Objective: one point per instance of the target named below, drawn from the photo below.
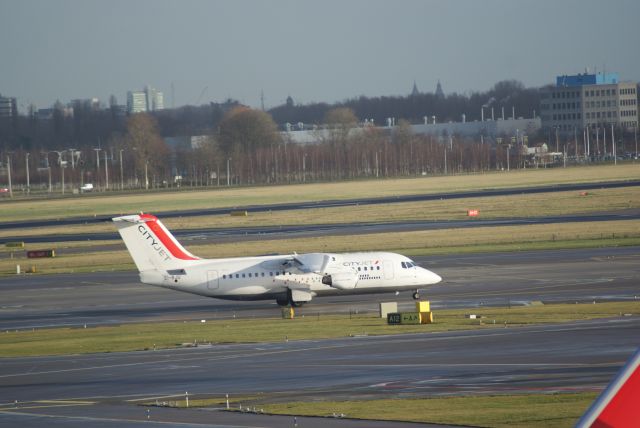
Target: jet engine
(341, 280)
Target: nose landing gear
(416, 295)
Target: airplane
(617, 406)
(291, 280)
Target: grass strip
(428, 242)
(307, 325)
(102, 204)
(502, 411)
(511, 206)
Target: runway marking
(534, 288)
(141, 421)
(45, 404)
(146, 398)
(580, 365)
(344, 343)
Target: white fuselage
(289, 279)
(266, 277)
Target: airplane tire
(282, 302)
(416, 296)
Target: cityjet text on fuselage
(361, 263)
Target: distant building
(8, 107)
(491, 129)
(589, 100)
(147, 100)
(136, 102)
(90, 103)
(48, 113)
(439, 91)
(415, 91)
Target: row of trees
(507, 94)
(243, 145)
(84, 124)
(248, 149)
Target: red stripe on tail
(622, 410)
(177, 252)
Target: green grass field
(147, 336)
(520, 411)
(102, 256)
(536, 205)
(98, 204)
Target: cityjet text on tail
(289, 279)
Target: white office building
(146, 100)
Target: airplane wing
(299, 284)
(312, 262)
(297, 281)
(618, 405)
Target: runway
(500, 279)
(337, 203)
(557, 358)
(102, 389)
(235, 234)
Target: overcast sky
(310, 49)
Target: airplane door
(388, 269)
(212, 279)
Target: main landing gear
(288, 301)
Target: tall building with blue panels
(587, 79)
(588, 100)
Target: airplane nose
(430, 277)
(435, 278)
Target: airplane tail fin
(150, 244)
(617, 406)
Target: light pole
(304, 167)
(613, 142)
(635, 136)
(9, 176)
(62, 165)
(121, 172)
(146, 174)
(106, 171)
(228, 180)
(445, 159)
(26, 161)
(46, 154)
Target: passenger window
(270, 273)
(249, 274)
(262, 273)
(365, 268)
(378, 268)
(224, 276)
(358, 268)
(237, 275)
(243, 275)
